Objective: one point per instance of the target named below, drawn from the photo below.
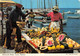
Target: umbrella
(5, 3)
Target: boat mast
(52, 3)
(31, 4)
(37, 3)
(26, 4)
(56, 3)
(20, 1)
(44, 5)
(48, 4)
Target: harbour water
(72, 28)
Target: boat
(47, 22)
(69, 12)
(77, 11)
(73, 17)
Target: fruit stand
(47, 40)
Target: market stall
(49, 41)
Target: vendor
(56, 18)
(11, 23)
(31, 17)
(27, 18)
(8, 10)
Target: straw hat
(19, 5)
(55, 8)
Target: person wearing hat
(11, 23)
(31, 17)
(56, 18)
(8, 11)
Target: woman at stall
(56, 18)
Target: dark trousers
(31, 23)
(9, 31)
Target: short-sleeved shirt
(32, 15)
(55, 17)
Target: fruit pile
(58, 47)
(21, 24)
(22, 47)
(72, 43)
(53, 39)
(37, 33)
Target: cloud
(79, 0)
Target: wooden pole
(2, 20)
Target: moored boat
(73, 17)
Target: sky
(61, 3)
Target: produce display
(22, 48)
(51, 39)
(21, 24)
